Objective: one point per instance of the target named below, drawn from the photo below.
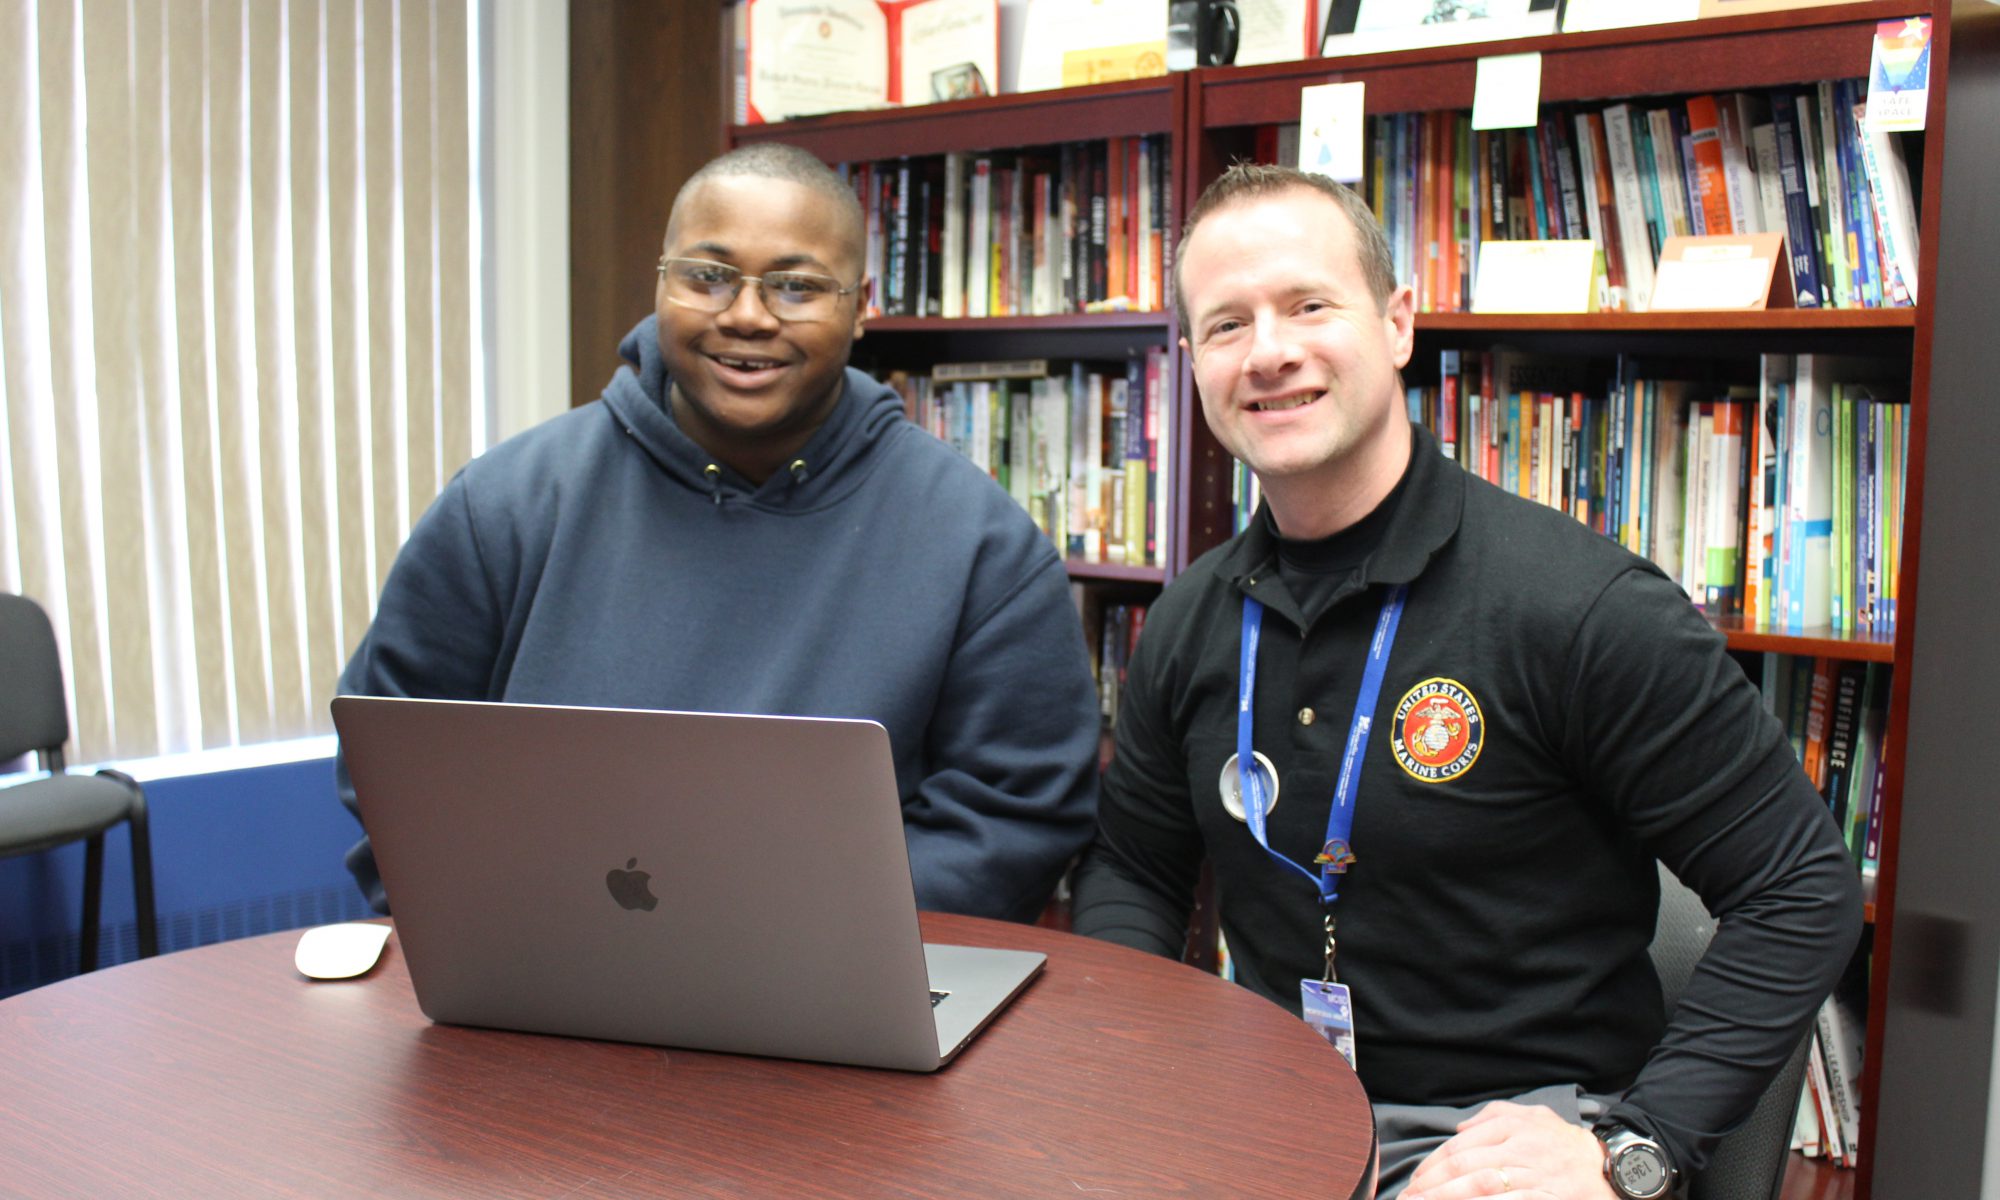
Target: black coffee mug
(1201, 33)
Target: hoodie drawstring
(713, 473)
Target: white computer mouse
(340, 951)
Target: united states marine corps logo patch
(1438, 731)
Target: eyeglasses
(711, 287)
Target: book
(1805, 1127)
(1116, 399)
(1094, 277)
(1721, 543)
(1864, 795)
(1738, 171)
(1769, 177)
(1132, 454)
(1667, 170)
(1819, 1083)
(1859, 209)
(1819, 205)
(1761, 569)
(1600, 207)
(1048, 458)
(1843, 725)
(1819, 704)
(1082, 538)
(979, 238)
(899, 294)
(1707, 171)
(1796, 188)
(1871, 844)
(1889, 187)
(1159, 456)
(1018, 368)
(1840, 1031)
(803, 57)
(1798, 693)
(1669, 464)
(1841, 586)
(1562, 156)
(1635, 242)
(1117, 199)
(1809, 500)
(1834, 188)
(1700, 496)
(951, 272)
(1448, 402)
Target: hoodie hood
(836, 459)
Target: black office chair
(62, 808)
(1749, 1164)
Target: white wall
(527, 237)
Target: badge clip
(1231, 784)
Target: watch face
(1639, 1171)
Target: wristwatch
(1636, 1166)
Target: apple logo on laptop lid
(629, 887)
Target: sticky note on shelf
(1507, 91)
(1330, 130)
(1899, 75)
(1537, 277)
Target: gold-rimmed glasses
(711, 287)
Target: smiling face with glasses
(711, 287)
(756, 315)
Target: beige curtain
(238, 303)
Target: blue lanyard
(1335, 858)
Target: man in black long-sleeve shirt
(1550, 715)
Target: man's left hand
(1514, 1150)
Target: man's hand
(1514, 1150)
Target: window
(239, 341)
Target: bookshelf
(1212, 116)
(1155, 106)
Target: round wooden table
(222, 1072)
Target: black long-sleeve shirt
(1494, 926)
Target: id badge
(1328, 1008)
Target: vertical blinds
(238, 322)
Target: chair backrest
(33, 711)
(1749, 1163)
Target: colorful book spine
(1135, 465)
(1868, 517)
(1710, 182)
(1801, 241)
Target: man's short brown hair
(1248, 181)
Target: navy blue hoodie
(603, 558)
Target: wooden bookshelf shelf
(986, 123)
(892, 342)
(1717, 54)
(1777, 320)
(1819, 643)
(1155, 322)
(1816, 1179)
(1079, 569)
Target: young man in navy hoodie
(742, 523)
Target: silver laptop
(714, 882)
